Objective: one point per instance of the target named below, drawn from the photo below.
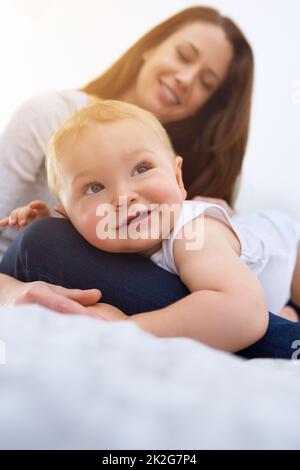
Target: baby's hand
(23, 216)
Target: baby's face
(115, 177)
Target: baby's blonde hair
(100, 111)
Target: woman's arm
(23, 144)
(226, 308)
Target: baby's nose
(125, 198)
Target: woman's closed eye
(92, 188)
(183, 55)
(142, 168)
(206, 84)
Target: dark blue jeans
(51, 250)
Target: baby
(117, 178)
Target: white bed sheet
(72, 382)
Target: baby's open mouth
(133, 219)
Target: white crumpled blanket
(72, 382)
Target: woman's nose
(186, 77)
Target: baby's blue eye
(142, 168)
(93, 188)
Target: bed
(72, 382)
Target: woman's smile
(167, 94)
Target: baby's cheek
(99, 231)
(161, 190)
(85, 221)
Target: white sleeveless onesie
(268, 246)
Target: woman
(195, 72)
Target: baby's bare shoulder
(210, 231)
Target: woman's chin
(155, 106)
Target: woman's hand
(220, 202)
(57, 298)
(22, 216)
(107, 312)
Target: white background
(58, 44)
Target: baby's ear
(59, 209)
(178, 173)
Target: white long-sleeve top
(23, 147)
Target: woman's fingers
(84, 297)
(43, 294)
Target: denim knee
(35, 248)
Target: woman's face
(178, 76)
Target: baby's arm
(22, 216)
(226, 308)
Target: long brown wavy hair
(213, 141)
